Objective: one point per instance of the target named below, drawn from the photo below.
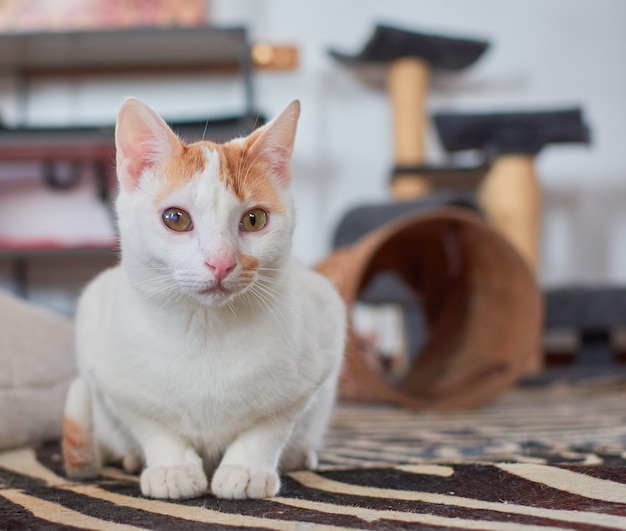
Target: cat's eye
(177, 219)
(253, 220)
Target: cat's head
(206, 221)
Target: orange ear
(274, 142)
(142, 139)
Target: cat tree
(478, 296)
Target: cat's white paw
(177, 482)
(240, 482)
(298, 459)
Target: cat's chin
(215, 296)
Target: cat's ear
(273, 143)
(142, 139)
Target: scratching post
(408, 81)
(511, 198)
(410, 58)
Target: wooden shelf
(128, 51)
(136, 49)
(97, 143)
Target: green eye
(253, 220)
(177, 219)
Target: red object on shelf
(51, 244)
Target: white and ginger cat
(208, 351)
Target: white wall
(544, 53)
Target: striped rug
(541, 458)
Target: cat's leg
(249, 466)
(81, 453)
(174, 469)
(308, 435)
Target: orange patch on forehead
(183, 167)
(245, 174)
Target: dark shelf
(135, 49)
(97, 143)
(128, 51)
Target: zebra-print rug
(541, 458)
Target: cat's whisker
(155, 285)
(273, 310)
(268, 275)
(258, 179)
(206, 126)
(271, 289)
(231, 307)
(165, 294)
(170, 292)
(152, 269)
(240, 163)
(243, 180)
(158, 286)
(266, 297)
(157, 280)
(256, 123)
(270, 280)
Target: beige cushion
(36, 367)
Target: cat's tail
(80, 453)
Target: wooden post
(511, 198)
(408, 81)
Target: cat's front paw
(240, 482)
(177, 482)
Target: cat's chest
(205, 375)
(203, 392)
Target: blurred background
(542, 54)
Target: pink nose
(221, 267)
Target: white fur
(186, 382)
